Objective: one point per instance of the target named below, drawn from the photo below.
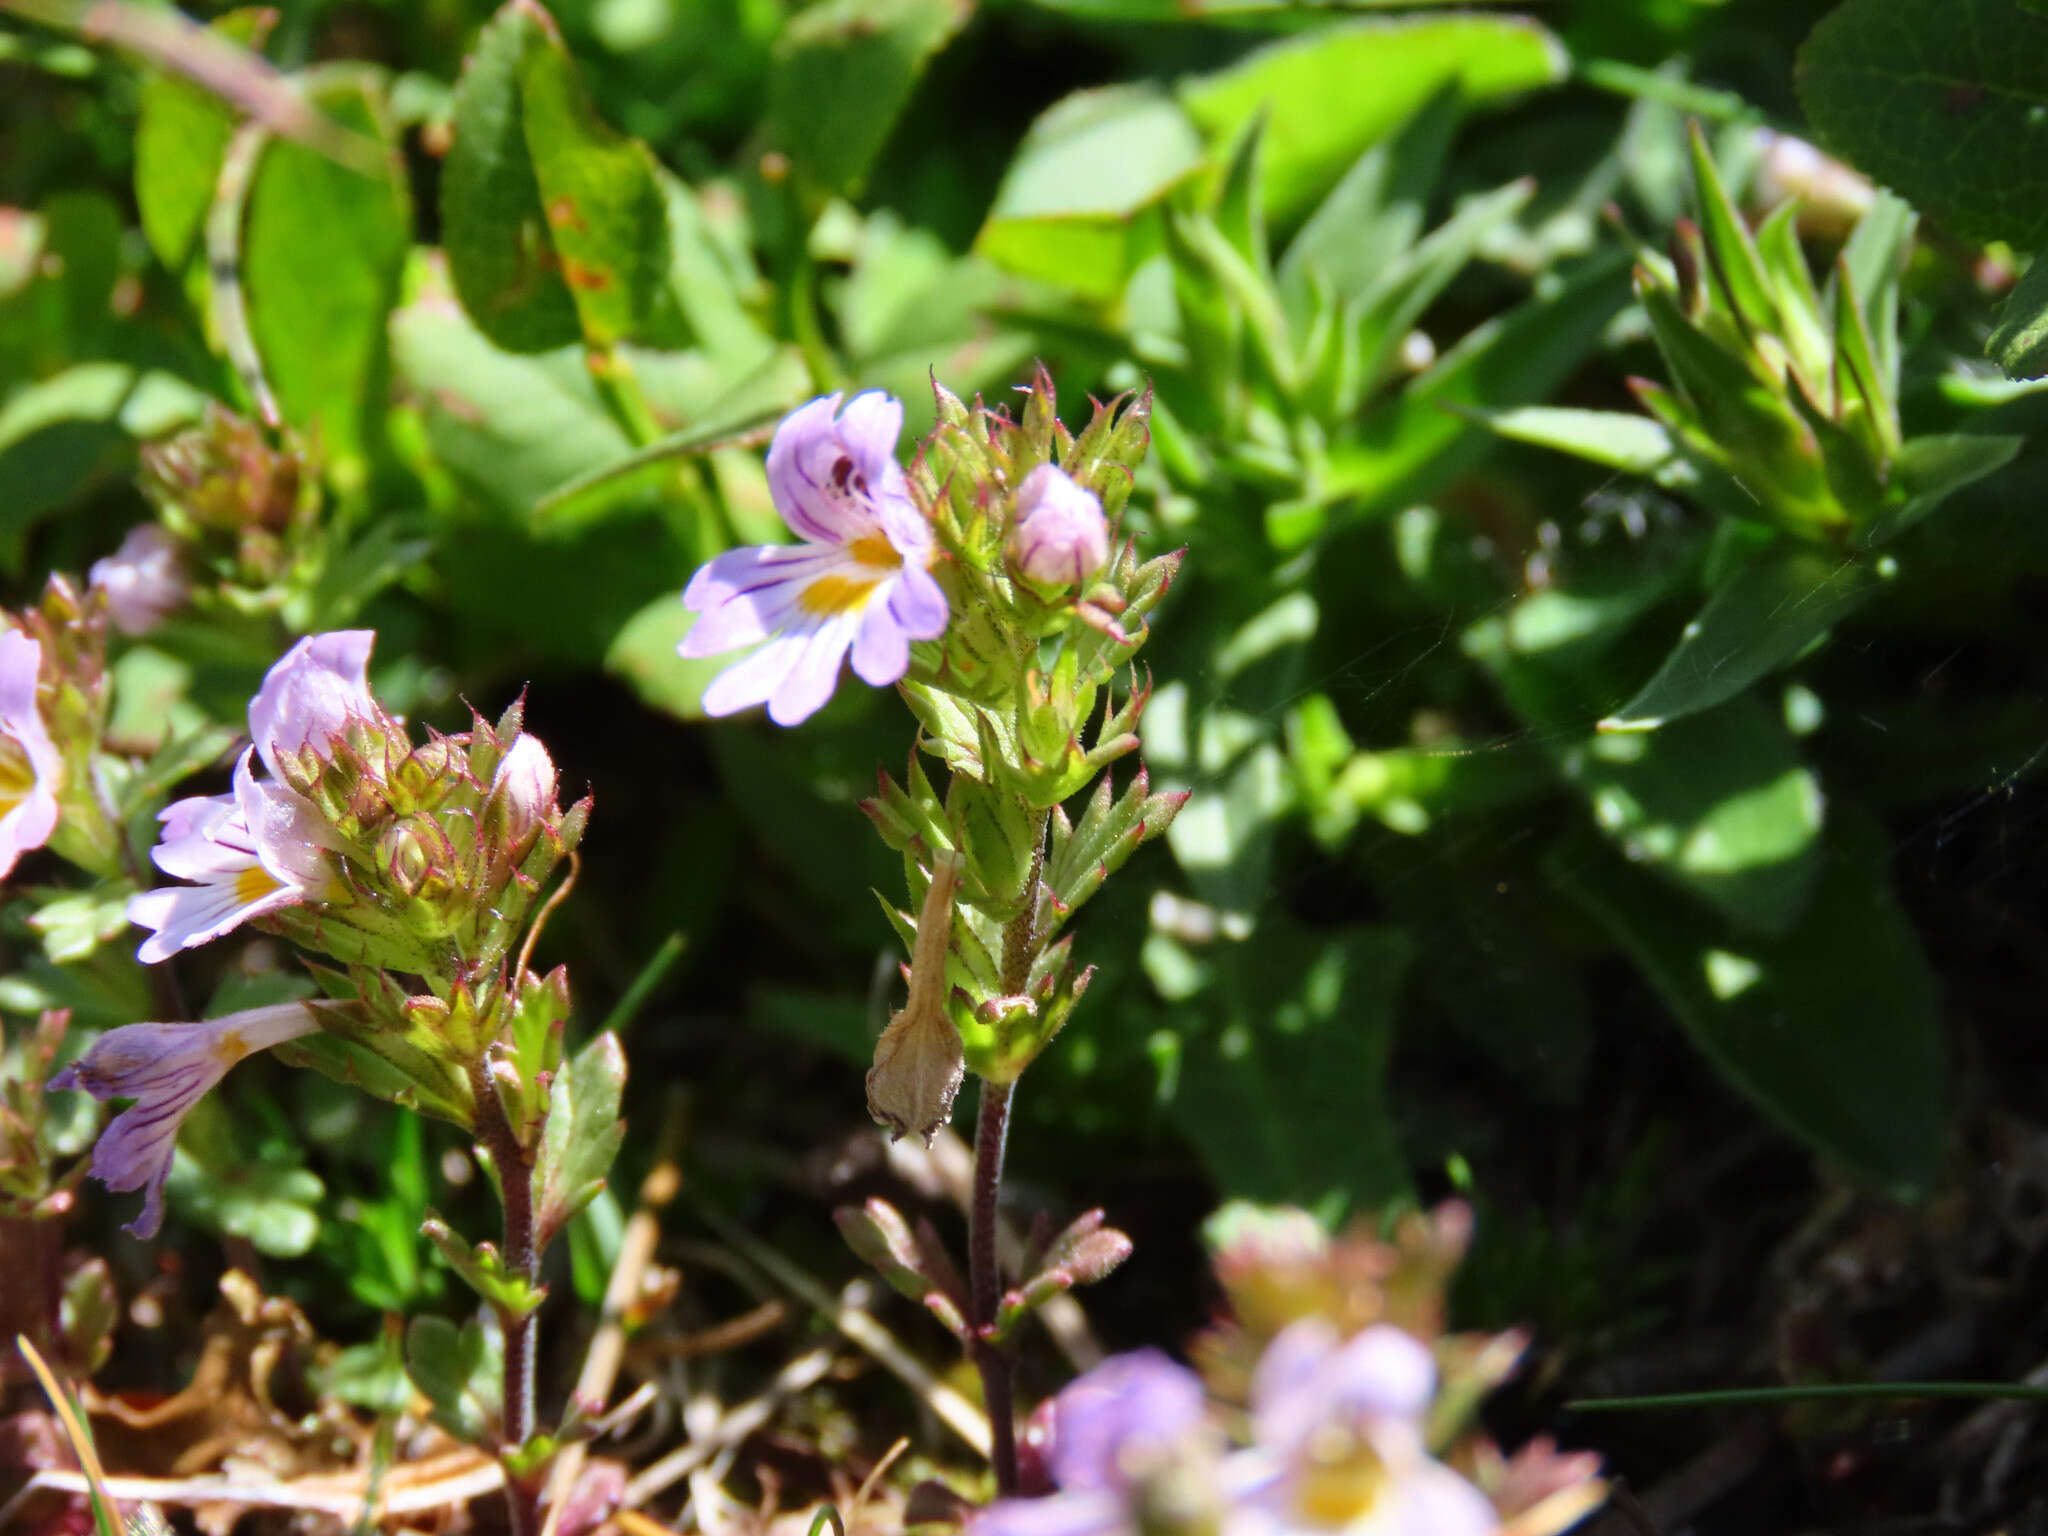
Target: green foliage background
(1425, 925)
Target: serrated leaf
(1831, 1028)
(843, 72)
(1942, 101)
(582, 1136)
(1763, 616)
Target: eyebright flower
(262, 846)
(1127, 1455)
(1058, 537)
(141, 581)
(311, 695)
(251, 851)
(1339, 1443)
(166, 1069)
(30, 767)
(860, 578)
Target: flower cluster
(986, 581)
(1342, 1430)
(406, 863)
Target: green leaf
(272, 1203)
(1718, 803)
(1763, 616)
(556, 228)
(1929, 470)
(1284, 1097)
(1430, 432)
(181, 136)
(582, 1136)
(321, 327)
(2020, 343)
(1831, 1028)
(1077, 206)
(63, 433)
(1942, 101)
(461, 1371)
(607, 213)
(1333, 93)
(843, 71)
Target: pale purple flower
(1114, 1430)
(142, 580)
(30, 767)
(1338, 1442)
(859, 580)
(311, 695)
(255, 850)
(1058, 537)
(166, 1069)
(263, 846)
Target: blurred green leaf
(2020, 344)
(1942, 101)
(63, 433)
(1078, 205)
(556, 227)
(1929, 470)
(844, 69)
(461, 1370)
(1764, 615)
(607, 214)
(271, 1201)
(1330, 95)
(181, 135)
(1284, 1096)
(320, 326)
(1831, 1028)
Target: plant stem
(522, 1334)
(985, 1280)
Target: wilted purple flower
(1118, 1435)
(860, 579)
(142, 581)
(309, 697)
(253, 851)
(1338, 1442)
(1059, 537)
(30, 766)
(166, 1069)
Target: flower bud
(522, 793)
(1058, 537)
(141, 581)
(415, 857)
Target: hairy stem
(522, 1333)
(986, 1281)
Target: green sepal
(1001, 835)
